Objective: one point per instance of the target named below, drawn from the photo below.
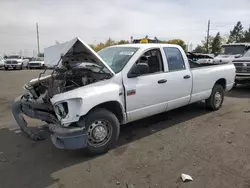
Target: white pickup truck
(15, 62)
(89, 95)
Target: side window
(153, 59)
(174, 58)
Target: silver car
(36, 63)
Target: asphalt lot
(212, 147)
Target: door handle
(162, 81)
(186, 77)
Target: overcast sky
(94, 21)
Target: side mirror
(238, 56)
(138, 69)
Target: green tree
(109, 42)
(237, 34)
(246, 37)
(40, 55)
(178, 42)
(99, 46)
(200, 49)
(123, 42)
(216, 44)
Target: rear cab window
(174, 59)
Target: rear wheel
(103, 130)
(214, 102)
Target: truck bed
(204, 77)
(194, 65)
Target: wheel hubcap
(217, 99)
(99, 133)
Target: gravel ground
(212, 147)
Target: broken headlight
(61, 109)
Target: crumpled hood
(76, 47)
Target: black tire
(214, 102)
(235, 85)
(102, 115)
(6, 68)
(14, 68)
(21, 68)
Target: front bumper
(12, 65)
(242, 78)
(62, 137)
(35, 66)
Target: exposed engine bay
(63, 80)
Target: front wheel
(6, 68)
(214, 102)
(103, 130)
(235, 85)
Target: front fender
(82, 100)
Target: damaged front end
(63, 138)
(74, 65)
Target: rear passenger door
(179, 79)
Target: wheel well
(114, 107)
(221, 82)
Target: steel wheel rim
(217, 99)
(99, 133)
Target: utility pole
(37, 35)
(208, 29)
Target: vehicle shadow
(240, 91)
(142, 128)
(26, 163)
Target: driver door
(144, 94)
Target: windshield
(117, 57)
(247, 54)
(13, 57)
(233, 50)
(38, 59)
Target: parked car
(231, 52)
(89, 95)
(1, 61)
(242, 69)
(15, 62)
(36, 63)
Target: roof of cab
(148, 45)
